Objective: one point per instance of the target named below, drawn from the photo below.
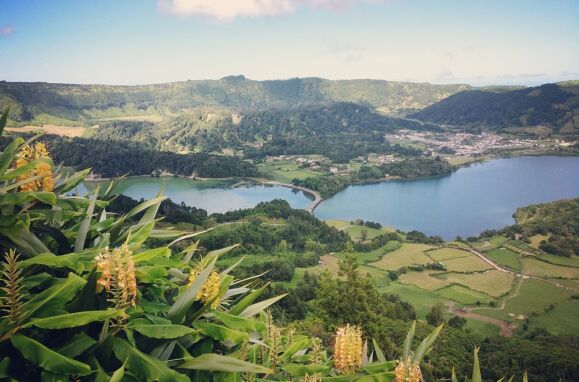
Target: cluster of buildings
(462, 144)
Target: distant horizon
(505, 85)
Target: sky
(479, 42)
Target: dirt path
(506, 330)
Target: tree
(364, 234)
(457, 322)
(435, 316)
(282, 246)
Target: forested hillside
(37, 102)
(555, 106)
(339, 131)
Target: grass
(560, 260)
(470, 263)
(463, 295)
(284, 171)
(540, 268)
(443, 254)
(375, 255)
(505, 257)
(422, 299)
(482, 329)
(423, 280)
(498, 240)
(408, 254)
(494, 283)
(560, 321)
(534, 296)
(355, 232)
(537, 239)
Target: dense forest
(550, 105)
(340, 131)
(45, 102)
(111, 158)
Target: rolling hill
(546, 108)
(55, 103)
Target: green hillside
(553, 107)
(46, 102)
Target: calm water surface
(465, 203)
(217, 198)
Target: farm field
(422, 299)
(560, 260)
(540, 268)
(536, 240)
(494, 283)
(533, 296)
(463, 295)
(560, 321)
(505, 257)
(407, 255)
(284, 171)
(424, 280)
(469, 263)
(444, 254)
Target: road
(317, 197)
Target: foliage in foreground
(86, 296)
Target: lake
(211, 195)
(472, 199)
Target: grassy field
(422, 299)
(423, 280)
(463, 295)
(284, 171)
(407, 255)
(505, 257)
(470, 263)
(540, 268)
(494, 283)
(484, 329)
(560, 321)
(498, 240)
(444, 254)
(560, 260)
(533, 296)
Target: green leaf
(298, 370)
(4, 367)
(216, 362)
(162, 331)
(118, 375)
(378, 351)
(19, 198)
(71, 182)
(380, 367)
(260, 306)
(382, 377)
(294, 347)
(151, 254)
(247, 300)
(185, 300)
(8, 154)
(70, 261)
(426, 344)
(47, 359)
(77, 345)
(239, 323)
(85, 224)
(73, 320)
(221, 333)
(53, 299)
(408, 341)
(136, 239)
(143, 366)
(476, 375)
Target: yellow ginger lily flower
(28, 154)
(117, 276)
(210, 290)
(348, 349)
(408, 371)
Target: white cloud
(227, 10)
(6, 30)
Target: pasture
(505, 257)
(444, 253)
(494, 283)
(407, 255)
(470, 263)
(540, 268)
(424, 280)
(463, 295)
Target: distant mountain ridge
(49, 102)
(550, 107)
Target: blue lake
(482, 196)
